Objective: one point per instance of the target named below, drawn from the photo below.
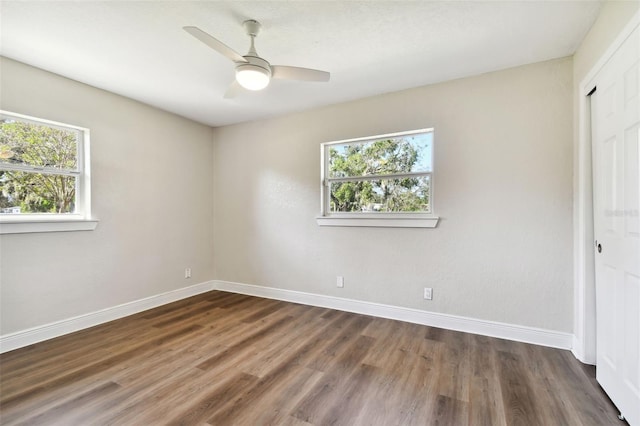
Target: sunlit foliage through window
(387, 175)
(38, 167)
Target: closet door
(616, 180)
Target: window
(43, 175)
(384, 180)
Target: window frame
(80, 219)
(374, 219)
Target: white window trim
(377, 220)
(81, 220)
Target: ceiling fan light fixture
(252, 77)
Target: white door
(616, 163)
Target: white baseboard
(519, 333)
(577, 348)
(30, 336)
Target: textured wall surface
(152, 192)
(613, 16)
(503, 190)
(502, 250)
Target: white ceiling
(138, 48)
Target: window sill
(394, 221)
(46, 225)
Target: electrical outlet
(340, 282)
(428, 293)
(187, 273)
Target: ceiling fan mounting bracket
(252, 27)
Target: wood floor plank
(587, 401)
(172, 318)
(208, 405)
(421, 386)
(219, 298)
(518, 394)
(299, 335)
(250, 339)
(348, 331)
(449, 411)
(60, 413)
(68, 350)
(351, 399)
(455, 367)
(250, 398)
(485, 399)
(241, 303)
(279, 399)
(271, 307)
(290, 366)
(220, 358)
(154, 400)
(325, 393)
(6, 400)
(391, 389)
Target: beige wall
(502, 250)
(152, 192)
(503, 189)
(613, 16)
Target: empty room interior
(319, 212)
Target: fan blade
(296, 73)
(215, 44)
(233, 90)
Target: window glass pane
(383, 195)
(403, 154)
(37, 145)
(22, 192)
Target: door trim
(584, 326)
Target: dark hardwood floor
(222, 359)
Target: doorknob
(598, 246)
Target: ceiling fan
(252, 71)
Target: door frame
(584, 310)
